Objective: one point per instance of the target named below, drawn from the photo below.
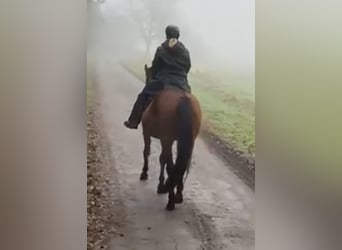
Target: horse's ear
(145, 67)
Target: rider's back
(172, 64)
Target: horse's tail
(185, 140)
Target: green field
(228, 107)
(228, 111)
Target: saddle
(179, 88)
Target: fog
(220, 34)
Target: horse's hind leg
(179, 193)
(172, 199)
(164, 159)
(161, 187)
(180, 187)
(147, 150)
(177, 181)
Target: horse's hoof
(170, 206)
(179, 198)
(162, 189)
(143, 176)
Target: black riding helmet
(172, 31)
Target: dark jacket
(171, 64)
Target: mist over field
(218, 33)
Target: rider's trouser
(143, 100)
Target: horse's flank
(160, 118)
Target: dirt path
(218, 210)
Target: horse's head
(147, 74)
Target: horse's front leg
(147, 151)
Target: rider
(170, 67)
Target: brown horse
(173, 115)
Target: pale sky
(227, 27)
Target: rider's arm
(188, 63)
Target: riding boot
(137, 111)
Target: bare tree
(151, 16)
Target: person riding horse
(170, 67)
